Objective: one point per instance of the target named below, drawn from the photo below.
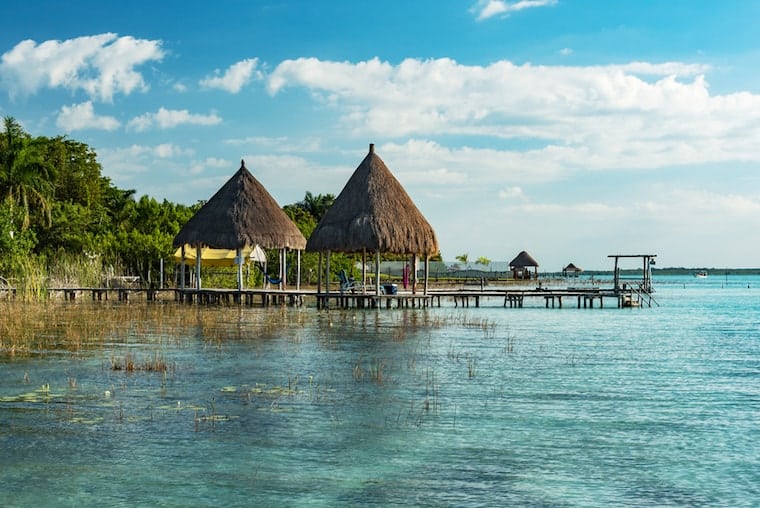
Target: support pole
(182, 267)
(198, 266)
(364, 271)
(414, 274)
(239, 261)
(327, 274)
(283, 268)
(298, 271)
(319, 274)
(427, 274)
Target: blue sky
(566, 128)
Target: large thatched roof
(373, 212)
(522, 260)
(241, 213)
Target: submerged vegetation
(149, 343)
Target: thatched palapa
(521, 265)
(241, 213)
(373, 213)
(571, 270)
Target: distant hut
(242, 214)
(521, 266)
(571, 271)
(373, 213)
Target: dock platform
(515, 298)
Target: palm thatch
(523, 260)
(241, 213)
(373, 212)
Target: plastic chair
(347, 283)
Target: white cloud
(686, 205)
(140, 157)
(278, 144)
(82, 116)
(198, 167)
(100, 65)
(647, 115)
(168, 151)
(485, 9)
(511, 193)
(126, 166)
(566, 51)
(169, 118)
(586, 231)
(234, 78)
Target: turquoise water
(440, 407)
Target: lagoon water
(438, 407)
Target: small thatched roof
(572, 268)
(241, 213)
(373, 212)
(523, 260)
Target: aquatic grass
(471, 366)
(375, 372)
(150, 363)
(509, 346)
(32, 280)
(34, 328)
(432, 389)
(70, 270)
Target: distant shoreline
(678, 271)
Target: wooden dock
(515, 298)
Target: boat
(701, 274)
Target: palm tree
(25, 175)
(316, 205)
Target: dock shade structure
(521, 265)
(373, 213)
(571, 270)
(220, 257)
(240, 216)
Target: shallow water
(437, 407)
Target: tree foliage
(26, 175)
(55, 201)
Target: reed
(32, 280)
(509, 346)
(432, 388)
(358, 370)
(374, 373)
(39, 327)
(150, 363)
(471, 366)
(67, 270)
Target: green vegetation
(62, 223)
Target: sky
(572, 129)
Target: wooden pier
(374, 301)
(626, 295)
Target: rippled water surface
(437, 407)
